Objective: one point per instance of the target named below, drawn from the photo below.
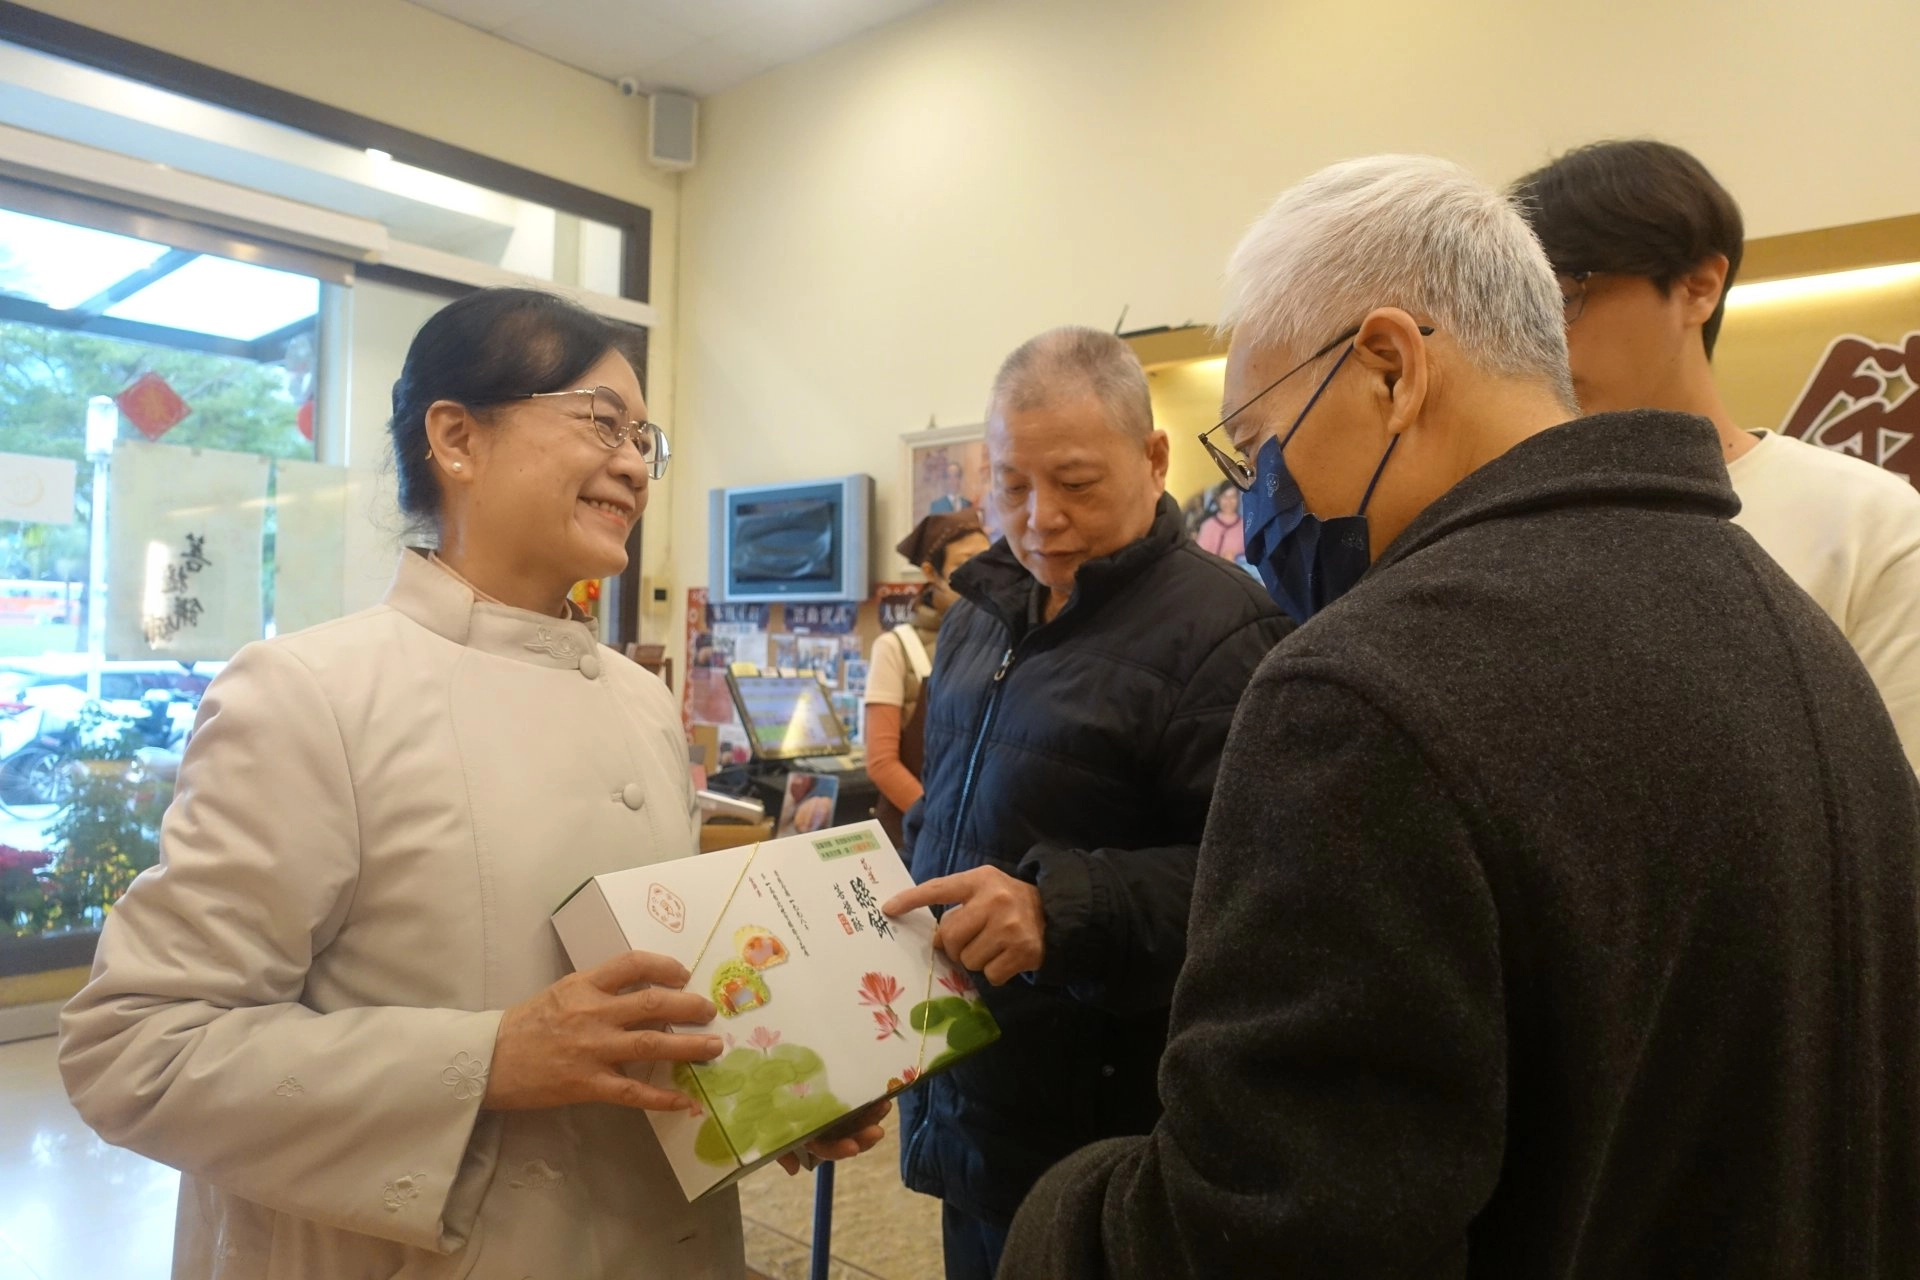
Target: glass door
(148, 386)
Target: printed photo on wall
(820, 654)
(808, 803)
(1212, 517)
(847, 707)
(853, 676)
(712, 652)
(1219, 529)
(947, 472)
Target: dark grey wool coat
(1555, 917)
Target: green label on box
(844, 845)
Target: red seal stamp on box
(664, 905)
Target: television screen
(792, 540)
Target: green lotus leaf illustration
(931, 1015)
(710, 1144)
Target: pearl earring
(456, 466)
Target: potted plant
(54, 904)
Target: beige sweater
(1849, 533)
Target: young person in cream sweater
(1646, 244)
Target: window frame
(62, 38)
(45, 33)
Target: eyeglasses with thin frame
(1237, 470)
(608, 413)
(1573, 292)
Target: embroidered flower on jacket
(535, 1175)
(288, 1087)
(467, 1077)
(562, 647)
(402, 1191)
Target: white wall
(870, 231)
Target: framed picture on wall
(946, 470)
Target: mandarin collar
(1636, 457)
(447, 607)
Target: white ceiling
(693, 46)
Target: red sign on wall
(1864, 399)
(152, 406)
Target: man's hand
(853, 1136)
(995, 925)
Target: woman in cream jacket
(337, 1005)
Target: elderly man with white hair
(1556, 913)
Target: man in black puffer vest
(1556, 915)
(1080, 699)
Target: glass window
(109, 344)
(418, 207)
(62, 265)
(222, 297)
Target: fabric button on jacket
(590, 668)
(634, 795)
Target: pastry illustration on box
(825, 1003)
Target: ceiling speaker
(672, 128)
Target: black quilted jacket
(1079, 754)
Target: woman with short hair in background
(902, 659)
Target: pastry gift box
(825, 1004)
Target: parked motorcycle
(35, 758)
(39, 740)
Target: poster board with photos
(833, 639)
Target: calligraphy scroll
(184, 570)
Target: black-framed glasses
(1235, 469)
(608, 413)
(1573, 292)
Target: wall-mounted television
(799, 542)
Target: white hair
(1068, 363)
(1405, 231)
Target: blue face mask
(1306, 562)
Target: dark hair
(489, 347)
(1638, 208)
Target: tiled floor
(881, 1231)
(74, 1208)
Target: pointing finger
(939, 891)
